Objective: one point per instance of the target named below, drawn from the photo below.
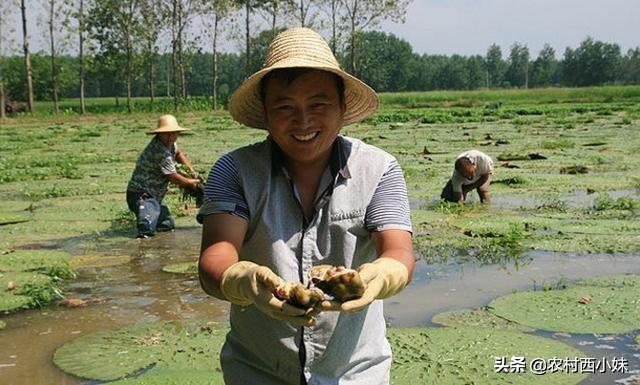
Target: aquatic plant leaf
(13, 218)
(97, 261)
(182, 268)
(112, 355)
(25, 260)
(159, 376)
(24, 289)
(611, 309)
(476, 318)
(20, 279)
(623, 280)
(447, 356)
(2, 324)
(9, 302)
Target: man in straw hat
(155, 168)
(305, 196)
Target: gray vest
(344, 348)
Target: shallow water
(139, 291)
(580, 199)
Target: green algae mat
(594, 305)
(187, 353)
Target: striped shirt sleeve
(223, 192)
(389, 207)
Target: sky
(469, 27)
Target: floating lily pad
(624, 280)
(13, 218)
(467, 356)
(182, 268)
(55, 262)
(27, 277)
(174, 377)
(603, 305)
(476, 318)
(18, 279)
(181, 353)
(97, 261)
(9, 301)
(170, 346)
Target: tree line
(120, 41)
(118, 51)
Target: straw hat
(300, 48)
(167, 123)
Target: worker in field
(155, 168)
(472, 170)
(303, 197)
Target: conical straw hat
(300, 48)
(167, 123)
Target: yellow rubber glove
(384, 278)
(245, 283)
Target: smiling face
(304, 116)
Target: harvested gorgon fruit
(297, 294)
(339, 282)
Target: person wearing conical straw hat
(305, 196)
(155, 168)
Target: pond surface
(138, 291)
(579, 199)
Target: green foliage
(554, 204)
(506, 246)
(123, 219)
(384, 61)
(592, 63)
(517, 73)
(41, 295)
(606, 202)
